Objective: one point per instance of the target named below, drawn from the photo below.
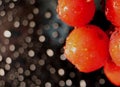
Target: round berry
(114, 46)
(112, 11)
(112, 72)
(76, 12)
(87, 48)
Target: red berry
(87, 48)
(113, 11)
(76, 12)
(112, 72)
(114, 46)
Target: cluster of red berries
(88, 47)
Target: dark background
(51, 69)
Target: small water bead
(55, 25)
(2, 72)
(8, 60)
(22, 84)
(21, 50)
(55, 34)
(69, 82)
(20, 77)
(11, 5)
(52, 70)
(32, 67)
(41, 62)
(38, 81)
(12, 47)
(7, 67)
(48, 84)
(62, 57)
(102, 81)
(7, 34)
(62, 83)
(50, 52)
(83, 83)
(61, 72)
(11, 76)
(39, 31)
(2, 13)
(72, 74)
(32, 24)
(28, 39)
(10, 18)
(25, 22)
(30, 16)
(27, 72)
(48, 15)
(20, 70)
(24, 45)
(35, 10)
(31, 53)
(16, 24)
(42, 38)
(16, 54)
(3, 49)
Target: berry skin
(76, 12)
(114, 46)
(87, 48)
(112, 11)
(112, 72)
